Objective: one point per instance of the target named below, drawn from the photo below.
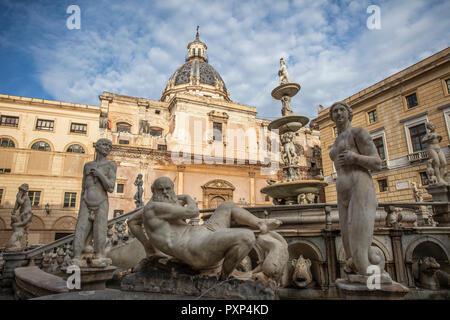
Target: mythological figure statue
(211, 246)
(282, 73)
(289, 154)
(20, 221)
(138, 195)
(99, 178)
(286, 109)
(354, 155)
(437, 157)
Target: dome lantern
(197, 49)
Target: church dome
(196, 76)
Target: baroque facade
(395, 112)
(211, 147)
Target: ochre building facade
(211, 147)
(394, 111)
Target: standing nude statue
(437, 157)
(354, 154)
(206, 247)
(282, 73)
(138, 195)
(20, 221)
(99, 178)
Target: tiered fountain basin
(289, 123)
(291, 189)
(286, 89)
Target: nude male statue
(99, 177)
(283, 73)
(203, 247)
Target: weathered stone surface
(93, 278)
(179, 279)
(31, 282)
(357, 291)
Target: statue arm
(109, 182)
(168, 211)
(369, 157)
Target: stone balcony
(417, 156)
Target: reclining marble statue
(99, 178)
(20, 221)
(212, 248)
(354, 155)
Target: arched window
(156, 132)
(123, 127)
(215, 202)
(7, 143)
(41, 145)
(75, 148)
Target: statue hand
(346, 158)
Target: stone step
(32, 282)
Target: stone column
(180, 179)
(251, 186)
(442, 213)
(397, 249)
(332, 264)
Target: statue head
(103, 146)
(431, 126)
(24, 187)
(282, 62)
(341, 104)
(163, 190)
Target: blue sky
(132, 47)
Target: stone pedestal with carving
(93, 278)
(358, 291)
(178, 279)
(441, 193)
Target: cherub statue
(289, 151)
(286, 109)
(282, 73)
(431, 173)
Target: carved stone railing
(418, 156)
(317, 216)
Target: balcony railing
(418, 156)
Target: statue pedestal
(177, 279)
(442, 213)
(358, 291)
(93, 278)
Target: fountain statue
(292, 189)
(99, 178)
(20, 221)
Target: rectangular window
(411, 100)
(124, 141)
(372, 116)
(69, 199)
(382, 184)
(156, 132)
(120, 187)
(417, 133)
(162, 147)
(217, 131)
(123, 127)
(78, 128)
(424, 178)
(1, 195)
(9, 121)
(157, 111)
(5, 170)
(42, 124)
(447, 82)
(380, 147)
(35, 197)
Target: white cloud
(133, 47)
